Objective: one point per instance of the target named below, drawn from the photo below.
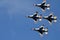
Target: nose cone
(29, 16)
(36, 11)
(33, 28)
(34, 5)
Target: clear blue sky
(15, 26)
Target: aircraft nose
(34, 5)
(36, 11)
(33, 28)
(28, 16)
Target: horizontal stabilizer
(48, 5)
(40, 19)
(46, 32)
(55, 17)
(55, 20)
(48, 8)
(46, 29)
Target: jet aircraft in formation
(35, 17)
(50, 18)
(41, 30)
(43, 5)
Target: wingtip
(51, 14)
(44, 1)
(50, 22)
(41, 34)
(43, 10)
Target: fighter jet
(41, 30)
(43, 6)
(35, 17)
(50, 18)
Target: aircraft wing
(41, 34)
(35, 14)
(43, 9)
(35, 19)
(50, 21)
(50, 15)
(44, 1)
(41, 27)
